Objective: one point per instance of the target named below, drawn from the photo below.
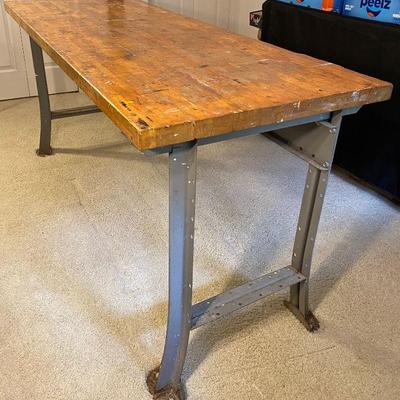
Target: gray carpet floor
(83, 271)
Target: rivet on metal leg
(170, 393)
(309, 321)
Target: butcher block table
(171, 84)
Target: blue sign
(374, 10)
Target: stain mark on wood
(125, 105)
(129, 54)
(143, 124)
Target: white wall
(240, 10)
(229, 14)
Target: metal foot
(308, 320)
(169, 393)
(44, 153)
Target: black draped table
(369, 143)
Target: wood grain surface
(164, 78)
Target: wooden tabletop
(164, 78)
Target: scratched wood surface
(164, 79)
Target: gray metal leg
(165, 382)
(320, 142)
(44, 101)
(310, 213)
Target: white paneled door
(17, 78)
(57, 81)
(13, 77)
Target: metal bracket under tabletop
(323, 119)
(246, 132)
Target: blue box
(324, 5)
(373, 10)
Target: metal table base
(313, 139)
